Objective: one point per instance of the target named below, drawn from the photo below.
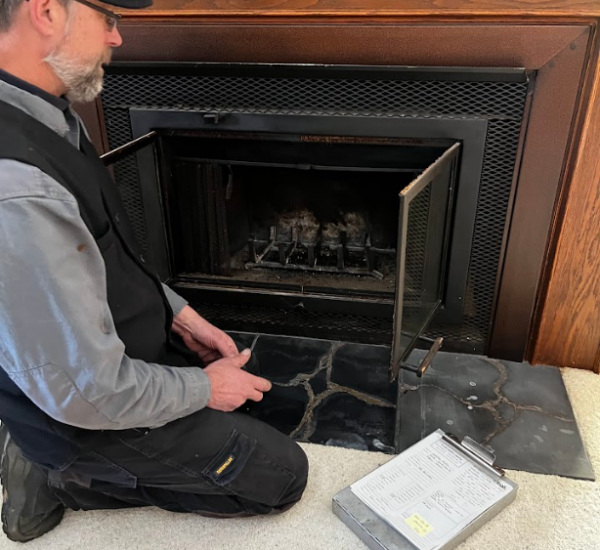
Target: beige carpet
(550, 513)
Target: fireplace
(242, 75)
(362, 204)
(332, 237)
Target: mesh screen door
(423, 237)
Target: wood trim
(366, 8)
(569, 327)
(475, 45)
(557, 92)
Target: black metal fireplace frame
(471, 133)
(312, 70)
(496, 95)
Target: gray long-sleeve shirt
(57, 337)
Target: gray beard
(83, 83)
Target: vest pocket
(106, 240)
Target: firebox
(318, 217)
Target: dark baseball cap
(129, 4)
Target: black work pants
(211, 463)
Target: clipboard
(432, 496)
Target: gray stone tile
(541, 387)
(522, 412)
(282, 358)
(283, 408)
(466, 376)
(439, 409)
(536, 442)
(343, 420)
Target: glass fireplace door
(423, 240)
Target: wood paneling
(443, 45)
(569, 330)
(363, 8)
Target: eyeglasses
(112, 19)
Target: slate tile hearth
(320, 393)
(337, 393)
(522, 412)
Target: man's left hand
(209, 342)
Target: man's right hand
(232, 386)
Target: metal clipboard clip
(482, 455)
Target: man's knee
(298, 466)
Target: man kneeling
(114, 391)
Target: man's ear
(48, 17)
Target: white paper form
(430, 492)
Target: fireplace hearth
(338, 394)
(524, 165)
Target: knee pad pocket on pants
(243, 468)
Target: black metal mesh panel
(126, 175)
(498, 165)
(320, 96)
(416, 241)
(299, 322)
(501, 103)
(118, 129)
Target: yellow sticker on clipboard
(419, 525)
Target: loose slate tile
(365, 369)
(504, 397)
(541, 387)
(343, 420)
(282, 358)
(436, 409)
(538, 443)
(465, 376)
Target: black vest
(140, 310)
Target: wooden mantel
(376, 8)
(566, 324)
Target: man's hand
(209, 342)
(232, 386)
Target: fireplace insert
(329, 236)
(327, 221)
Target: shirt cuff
(176, 302)
(200, 381)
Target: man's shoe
(29, 507)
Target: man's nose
(115, 39)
